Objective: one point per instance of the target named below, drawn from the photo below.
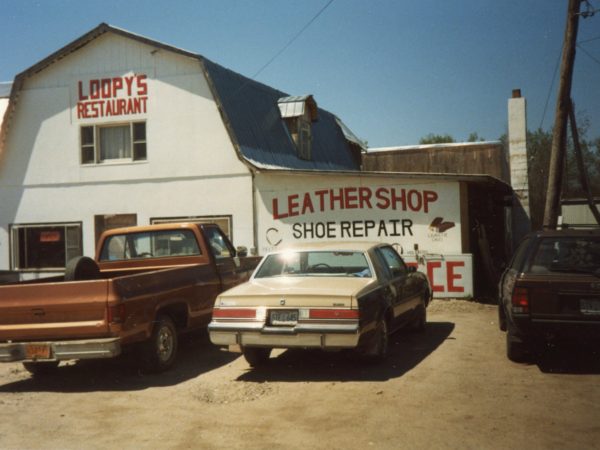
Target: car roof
(358, 246)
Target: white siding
(191, 167)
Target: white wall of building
(190, 157)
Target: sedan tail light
(234, 313)
(333, 314)
(520, 300)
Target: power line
(296, 36)
(550, 89)
(588, 53)
(589, 40)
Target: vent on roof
(298, 113)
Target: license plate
(589, 307)
(37, 351)
(284, 317)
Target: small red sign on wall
(50, 236)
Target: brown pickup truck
(146, 285)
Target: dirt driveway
(450, 388)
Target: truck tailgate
(65, 310)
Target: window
(314, 264)
(44, 246)
(224, 222)
(218, 243)
(100, 143)
(298, 113)
(106, 222)
(155, 244)
(392, 262)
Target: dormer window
(298, 114)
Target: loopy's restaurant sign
(422, 221)
(114, 96)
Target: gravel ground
(451, 387)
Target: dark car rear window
(567, 254)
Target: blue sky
(394, 71)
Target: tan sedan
(330, 296)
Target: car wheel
(160, 351)
(40, 368)
(256, 356)
(380, 345)
(517, 349)
(501, 317)
(420, 319)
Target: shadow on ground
(407, 350)
(196, 356)
(571, 358)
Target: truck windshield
(315, 263)
(568, 254)
(155, 244)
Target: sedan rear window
(315, 263)
(569, 254)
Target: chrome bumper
(325, 336)
(62, 350)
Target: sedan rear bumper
(60, 350)
(324, 336)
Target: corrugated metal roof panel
(255, 119)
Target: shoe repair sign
(427, 215)
(421, 220)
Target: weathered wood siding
(474, 159)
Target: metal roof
(253, 117)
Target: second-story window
(105, 143)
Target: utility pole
(559, 134)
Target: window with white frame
(115, 142)
(44, 246)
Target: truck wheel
(160, 351)
(40, 368)
(256, 356)
(81, 268)
(517, 349)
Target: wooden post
(559, 134)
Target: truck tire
(159, 353)
(40, 368)
(517, 349)
(256, 356)
(81, 268)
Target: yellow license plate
(37, 351)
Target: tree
(436, 139)
(539, 144)
(474, 137)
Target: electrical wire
(284, 48)
(550, 89)
(588, 54)
(293, 39)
